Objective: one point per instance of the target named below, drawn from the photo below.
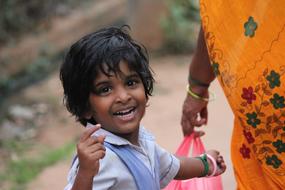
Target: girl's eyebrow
(107, 81)
(132, 75)
(103, 82)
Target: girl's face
(118, 102)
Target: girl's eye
(131, 83)
(103, 90)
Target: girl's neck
(133, 137)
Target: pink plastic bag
(203, 183)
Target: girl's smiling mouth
(126, 114)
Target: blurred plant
(23, 169)
(179, 26)
(39, 69)
(22, 16)
(19, 18)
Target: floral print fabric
(247, 51)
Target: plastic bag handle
(198, 147)
(184, 147)
(188, 141)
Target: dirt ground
(162, 119)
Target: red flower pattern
(248, 94)
(245, 151)
(248, 136)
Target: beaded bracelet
(204, 160)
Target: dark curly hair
(91, 54)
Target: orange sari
(246, 45)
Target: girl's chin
(124, 130)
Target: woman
(242, 43)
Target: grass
(20, 172)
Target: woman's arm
(200, 67)
(195, 111)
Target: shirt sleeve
(169, 166)
(106, 177)
(71, 175)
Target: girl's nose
(123, 95)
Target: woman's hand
(194, 113)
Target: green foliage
(179, 26)
(20, 17)
(14, 146)
(23, 16)
(39, 69)
(21, 171)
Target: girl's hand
(90, 150)
(221, 166)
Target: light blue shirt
(113, 173)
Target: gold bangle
(198, 97)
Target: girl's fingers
(94, 140)
(101, 139)
(214, 153)
(223, 167)
(96, 147)
(98, 154)
(221, 164)
(220, 159)
(93, 152)
(90, 141)
(88, 132)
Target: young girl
(107, 82)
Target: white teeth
(125, 112)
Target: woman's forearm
(200, 68)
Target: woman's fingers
(186, 127)
(199, 133)
(196, 120)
